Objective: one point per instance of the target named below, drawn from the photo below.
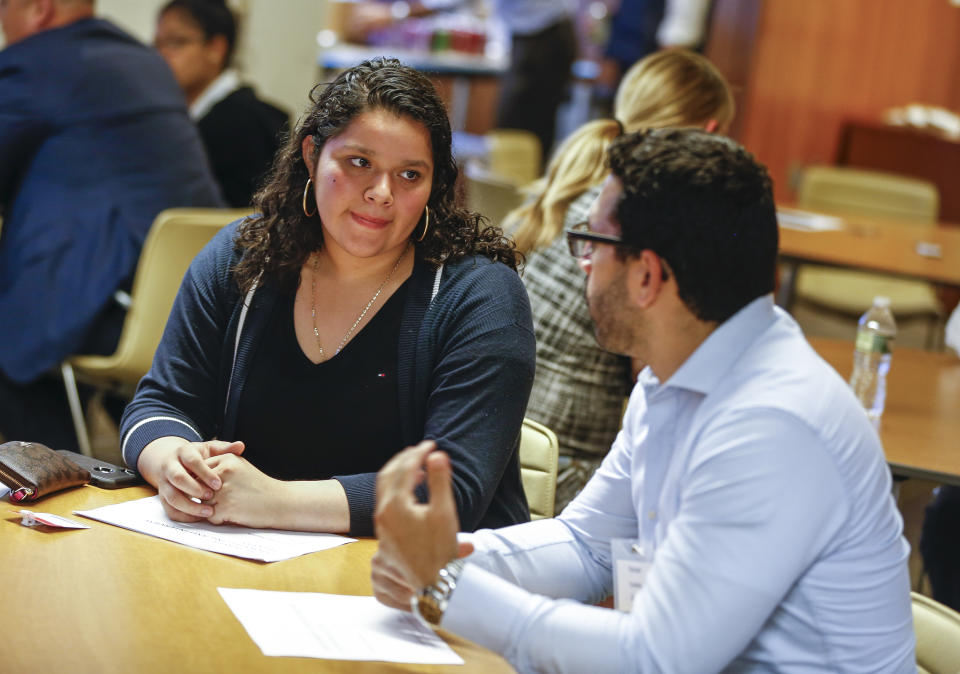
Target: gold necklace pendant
(313, 303)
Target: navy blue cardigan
(466, 363)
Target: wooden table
(106, 599)
(872, 244)
(920, 429)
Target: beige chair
(175, 238)
(493, 183)
(490, 195)
(938, 636)
(847, 191)
(539, 452)
(514, 155)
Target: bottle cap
(881, 301)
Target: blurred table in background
(913, 152)
(920, 429)
(924, 252)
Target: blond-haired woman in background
(579, 388)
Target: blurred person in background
(240, 132)
(94, 142)
(641, 27)
(579, 388)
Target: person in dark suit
(94, 142)
(241, 133)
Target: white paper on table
(807, 221)
(267, 545)
(335, 627)
(3, 489)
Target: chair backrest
(539, 452)
(514, 155)
(175, 238)
(848, 191)
(490, 195)
(938, 636)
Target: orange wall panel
(815, 63)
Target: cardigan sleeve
(478, 336)
(180, 394)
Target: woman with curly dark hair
(358, 312)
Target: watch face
(428, 609)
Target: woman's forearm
(313, 506)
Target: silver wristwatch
(431, 602)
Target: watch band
(431, 602)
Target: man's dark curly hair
(702, 203)
(279, 240)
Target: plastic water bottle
(871, 357)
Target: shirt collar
(708, 365)
(226, 83)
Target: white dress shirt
(684, 23)
(756, 480)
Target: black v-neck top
(302, 420)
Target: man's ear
(41, 15)
(644, 279)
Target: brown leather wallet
(32, 470)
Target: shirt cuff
(538, 634)
(486, 608)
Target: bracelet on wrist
(431, 602)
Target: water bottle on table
(871, 357)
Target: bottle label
(871, 342)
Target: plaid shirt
(578, 389)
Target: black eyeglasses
(581, 240)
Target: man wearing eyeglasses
(743, 517)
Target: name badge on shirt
(631, 564)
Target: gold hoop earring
(426, 223)
(306, 192)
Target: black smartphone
(102, 473)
